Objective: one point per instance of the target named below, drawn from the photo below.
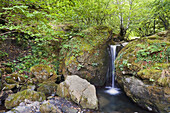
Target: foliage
(40, 23)
(151, 53)
(3, 54)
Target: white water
(111, 89)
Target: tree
(161, 11)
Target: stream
(118, 103)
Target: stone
(142, 70)
(14, 100)
(42, 72)
(47, 107)
(88, 59)
(47, 87)
(32, 107)
(78, 90)
(66, 109)
(4, 95)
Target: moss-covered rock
(13, 80)
(47, 87)
(14, 100)
(47, 107)
(42, 72)
(87, 56)
(142, 69)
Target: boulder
(47, 87)
(42, 72)
(79, 90)
(142, 70)
(87, 56)
(14, 100)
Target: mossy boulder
(86, 55)
(14, 100)
(47, 87)
(42, 72)
(13, 80)
(142, 70)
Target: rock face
(87, 56)
(14, 100)
(78, 90)
(142, 70)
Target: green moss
(14, 99)
(8, 86)
(164, 81)
(149, 74)
(146, 56)
(40, 67)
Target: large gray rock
(79, 90)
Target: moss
(14, 99)
(40, 67)
(150, 65)
(161, 65)
(158, 41)
(164, 81)
(149, 74)
(153, 37)
(8, 86)
(47, 87)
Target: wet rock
(78, 90)
(14, 100)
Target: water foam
(113, 91)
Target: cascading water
(111, 98)
(112, 90)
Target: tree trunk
(122, 33)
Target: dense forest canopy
(126, 17)
(37, 22)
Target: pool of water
(118, 103)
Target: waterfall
(113, 57)
(111, 89)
